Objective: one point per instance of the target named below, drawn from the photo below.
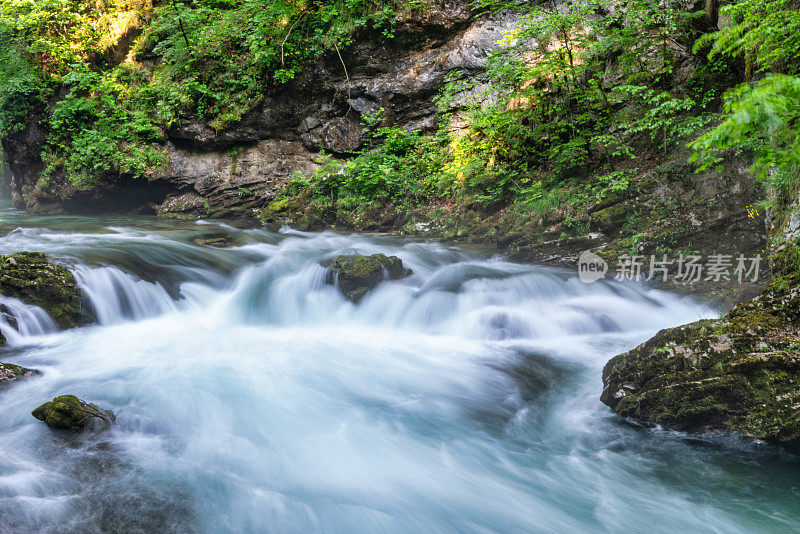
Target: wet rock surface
(10, 372)
(356, 275)
(35, 279)
(68, 412)
(740, 373)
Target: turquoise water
(251, 397)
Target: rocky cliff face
(228, 173)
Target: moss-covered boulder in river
(68, 412)
(740, 373)
(358, 274)
(34, 279)
(10, 372)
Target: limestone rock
(34, 279)
(68, 412)
(229, 183)
(740, 373)
(356, 275)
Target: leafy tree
(762, 116)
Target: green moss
(740, 373)
(177, 216)
(9, 372)
(356, 275)
(34, 279)
(68, 412)
(277, 205)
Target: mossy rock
(740, 373)
(302, 212)
(10, 372)
(609, 220)
(68, 412)
(34, 279)
(356, 275)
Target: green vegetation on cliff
(582, 99)
(738, 373)
(87, 69)
(763, 115)
(578, 102)
(575, 90)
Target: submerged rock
(220, 242)
(740, 373)
(10, 372)
(34, 279)
(68, 412)
(358, 274)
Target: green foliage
(558, 112)
(579, 89)
(765, 32)
(237, 49)
(666, 117)
(216, 60)
(551, 118)
(764, 118)
(403, 170)
(99, 129)
(60, 33)
(21, 86)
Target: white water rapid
(251, 397)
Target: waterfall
(20, 321)
(117, 296)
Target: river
(251, 397)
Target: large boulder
(34, 279)
(68, 412)
(10, 372)
(740, 373)
(356, 275)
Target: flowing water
(251, 397)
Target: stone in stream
(358, 274)
(10, 372)
(34, 279)
(739, 374)
(68, 412)
(219, 241)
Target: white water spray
(252, 397)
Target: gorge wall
(231, 172)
